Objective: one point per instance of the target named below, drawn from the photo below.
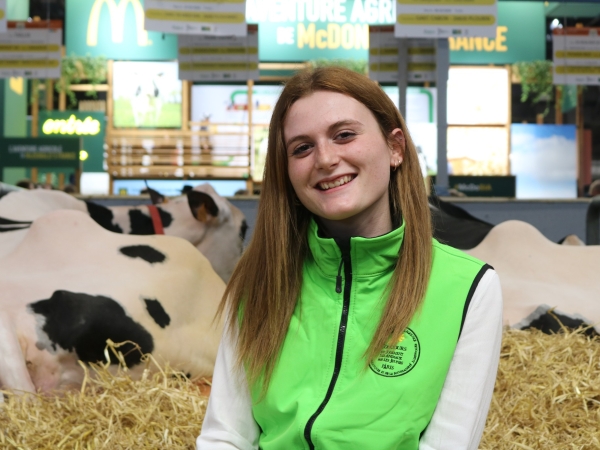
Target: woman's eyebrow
(343, 123)
(333, 126)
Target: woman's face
(339, 163)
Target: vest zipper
(338, 279)
(344, 246)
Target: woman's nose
(326, 156)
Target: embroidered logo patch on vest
(400, 359)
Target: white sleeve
(461, 412)
(228, 423)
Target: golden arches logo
(117, 21)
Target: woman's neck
(356, 226)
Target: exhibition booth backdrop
(159, 127)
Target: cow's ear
(156, 197)
(202, 205)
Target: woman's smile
(331, 184)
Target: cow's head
(210, 222)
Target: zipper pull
(338, 279)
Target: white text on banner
(30, 53)
(219, 58)
(576, 56)
(204, 17)
(446, 18)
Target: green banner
(90, 126)
(299, 30)
(114, 29)
(39, 152)
(520, 36)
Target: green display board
(483, 186)
(520, 36)
(312, 29)
(298, 30)
(48, 155)
(114, 29)
(90, 126)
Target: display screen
(544, 160)
(146, 95)
(478, 151)
(228, 104)
(478, 96)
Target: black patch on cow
(564, 239)
(549, 323)
(12, 225)
(3, 229)
(5, 221)
(243, 229)
(103, 216)
(455, 226)
(197, 198)
(472, 290)
(141, 224)
(145, 252)
(157, 312)
(82, 323)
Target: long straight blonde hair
(264, 288)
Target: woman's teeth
(336, 183)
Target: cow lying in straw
(70, 285)
(210, 222)
(537, 275)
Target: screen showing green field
(146, 95)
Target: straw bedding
(547, 396)
(547, 393)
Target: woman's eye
(345, 135)
(300, 149)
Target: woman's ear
(397, 147)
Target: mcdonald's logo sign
(117, 10)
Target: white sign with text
(30, 53)
(218, 58)
(576, 56)
(446, 18)
(216, 18)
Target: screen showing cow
(146, 95)
(222, 110)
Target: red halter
(156, 221)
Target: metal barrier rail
(592, 222)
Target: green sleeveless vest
(320, 395)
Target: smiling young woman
(349, 326)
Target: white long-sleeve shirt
(460, 414)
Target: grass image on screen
(146, 95)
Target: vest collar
(369, 256)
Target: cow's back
(534, 271)
(30, 204)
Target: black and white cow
(454, 226)
(70, 285)
(210, 222)
(538, 275)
